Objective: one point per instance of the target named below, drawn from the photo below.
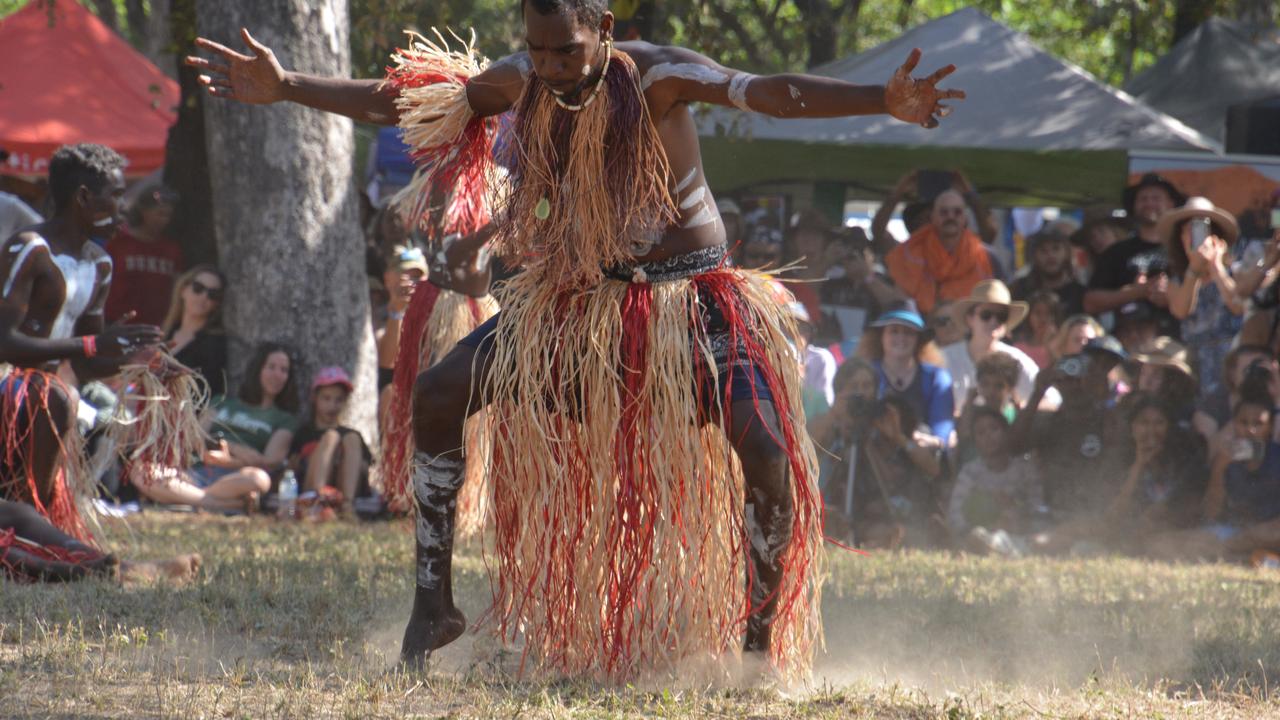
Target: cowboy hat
(1151, 180)
(1222, 220)
(1165, 352)
(992, 292)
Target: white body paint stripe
(703, 217)
(686, 71)
(22, 258)
(687, 179)
(694, 197)
(738, 91)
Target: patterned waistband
(677, 267)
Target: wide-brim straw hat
(1166, 352)
(992, 292)
(1224, 221)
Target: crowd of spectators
(1115, 394)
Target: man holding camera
(1074, 445)
(1137, 269)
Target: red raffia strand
(620, 538)
(433, 323)
(24, 402)
(452, 147)
(12, 547)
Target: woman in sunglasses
(990, 314)
(193, 327)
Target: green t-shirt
(249, 425)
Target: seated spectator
(144, 262)
(1241, 507)
(1243, 360)
(1202, 292)
(806, 245)
(1051, 270)
(947, 329)
(1074, 445)
(1163, 372)
(996, 492)
(997, 377)
(1136, 270)
(193, 326)
(853, 293)
(817, 392)
(1137, 324)
(762, 248)
(942, 260)
(1073, 335)
(1152, 487)
(1099, 232)
(406, 267)
(908, 366)
(891, 487)
(989, 313)
(1044, 316)
(323, 452)
(916, 213)
(253, 432)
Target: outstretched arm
(260, 79)
(695, 78)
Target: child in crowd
(1043, 319)
(995, 493)
(325, 453)
(997, 379)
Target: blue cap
(903, 314)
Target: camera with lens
(860, 408)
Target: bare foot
(426, 634)
(179, 570)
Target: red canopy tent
(65, 77)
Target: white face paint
(685, 71)
(104, 222)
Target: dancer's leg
(31, 525)
(443, 399)
(756, 436)
(49, 426)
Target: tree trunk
(283, 204)
(107, 13)
(186, 164)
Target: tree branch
(749, 44)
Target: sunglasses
(989, 315)
(199, 288)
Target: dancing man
(637, 388)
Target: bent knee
(258, 478)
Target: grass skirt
(619, 505)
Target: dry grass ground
(304, 621)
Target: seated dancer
(629, 364)
(55, 284)
(33, 550)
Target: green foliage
(1110, 38)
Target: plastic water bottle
(288, 495)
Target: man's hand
(906, 186)
(257, 79)
(918, 101)
(121, 340)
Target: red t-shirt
(142, 277)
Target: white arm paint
(686, 71)
(24, 251)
